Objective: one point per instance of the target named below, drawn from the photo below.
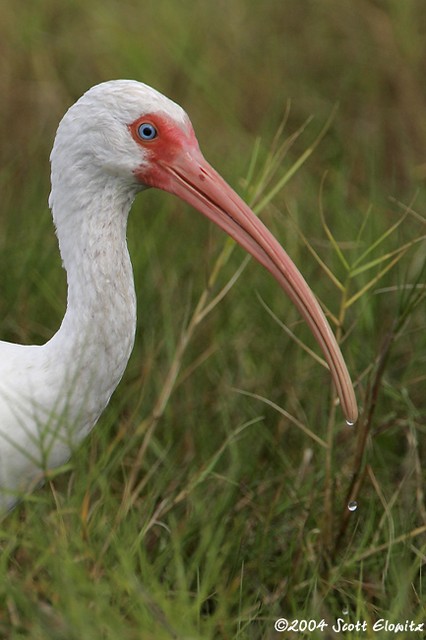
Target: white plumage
(52, 395)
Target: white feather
(52, 395)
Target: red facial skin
(176, 164)
(163, 150)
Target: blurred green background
(234, 516)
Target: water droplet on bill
(353, 505)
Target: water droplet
(353, 505)
(345, 611)
(350, 423)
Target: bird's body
(118, 139)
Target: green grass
(211, 499)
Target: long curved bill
(193, 179)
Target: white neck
(52, 395)
(97, 333)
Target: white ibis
(118, 139)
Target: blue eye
(147, 131)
